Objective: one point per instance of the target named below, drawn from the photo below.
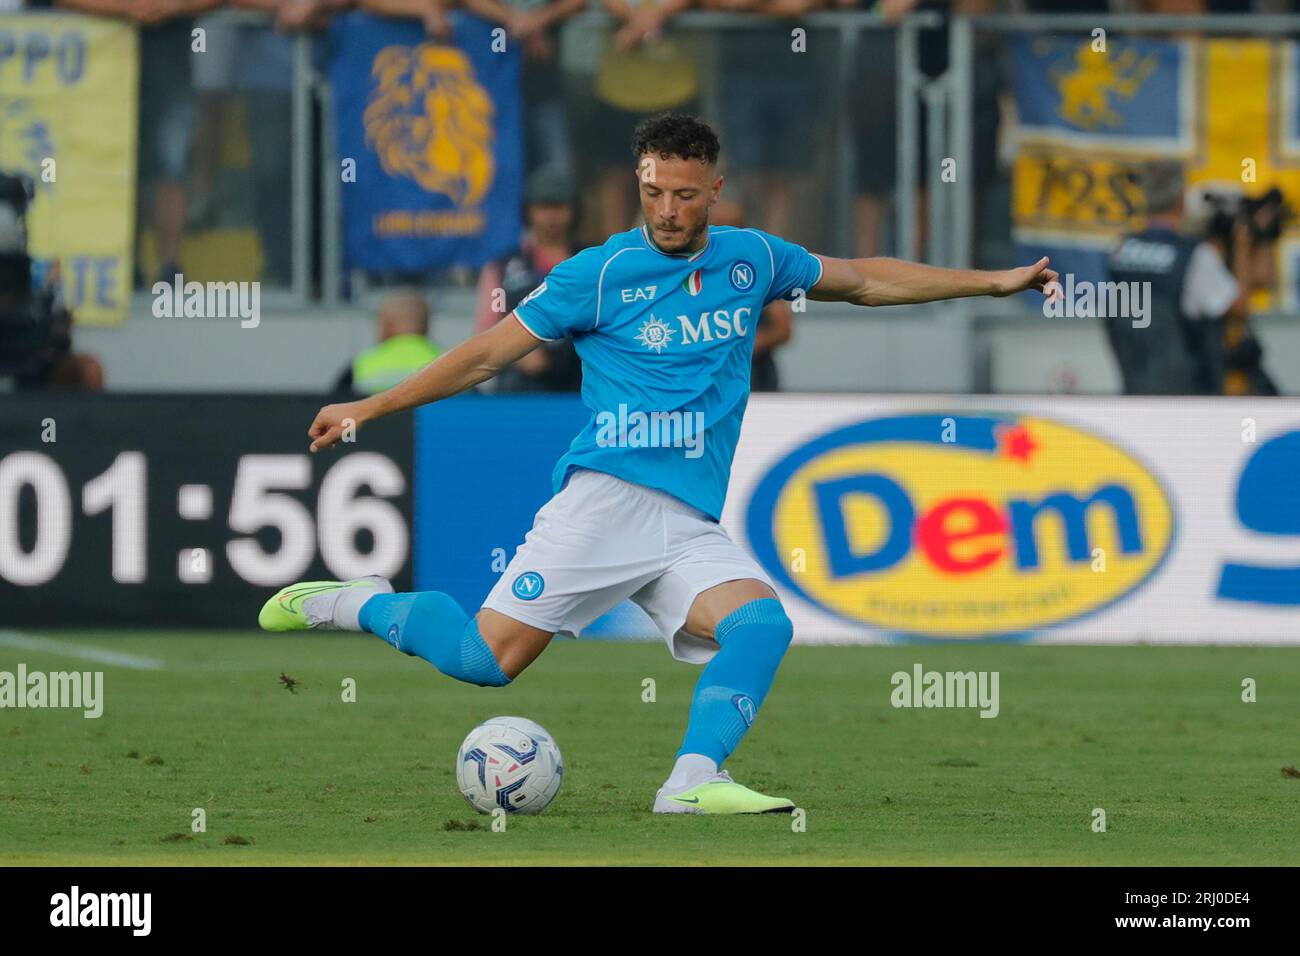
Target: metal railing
(948, 99)
(316, 227)
(913, 84)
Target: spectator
(1072, 6)
(774, 323)
(874, 107)
(769, 96)
(551, 213)
(261, 69)
(642, 71)
(432, 13)
(292, 16)
(167, 109)
(402, 324)
(875, 112)
(215, 80)
(533, 23)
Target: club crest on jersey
(694, 283)
(742, 275)
(528, 586)
(655, 334)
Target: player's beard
(688, 240)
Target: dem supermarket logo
(961, 526)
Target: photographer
(35, 328)
(1245, 231)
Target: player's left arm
(899, 282)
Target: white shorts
(602, 540)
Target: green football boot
(310, 605)
(720, 794)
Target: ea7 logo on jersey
(646, 293)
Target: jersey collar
(650, 243)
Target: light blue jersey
(666, 343)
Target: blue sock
(431, 625)
(732, 688)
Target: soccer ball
(511, 763)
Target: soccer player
(663, 318)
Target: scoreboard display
(188, 510)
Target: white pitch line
(87, 652)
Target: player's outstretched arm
(473, 361)
(899, 282)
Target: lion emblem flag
(433, 133)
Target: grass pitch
(1159, 738)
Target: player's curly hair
(676, 134)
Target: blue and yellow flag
(1092, 114)
(68, 89)
(433, 133)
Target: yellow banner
(1075, 193)
(1235, 126)
(1087, 186)
(68, 94)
